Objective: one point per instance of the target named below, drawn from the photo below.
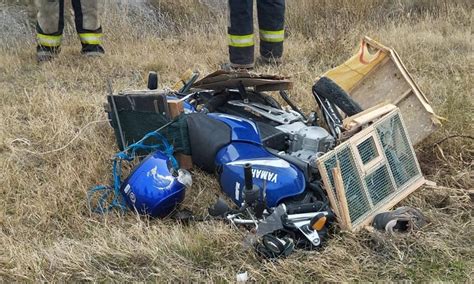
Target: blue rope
(128, 154)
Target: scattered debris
(401, 220)
(272, 161)
(242, 277)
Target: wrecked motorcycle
(264, 156)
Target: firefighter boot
(92, 50)
(46, 53)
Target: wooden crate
(376, 74)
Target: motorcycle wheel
(331, 91)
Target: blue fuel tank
(280, 178)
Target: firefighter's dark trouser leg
(240, 31)
(49, 28)
(88, 27)
(271, 22)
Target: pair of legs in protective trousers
(50, 25)
(271, 21)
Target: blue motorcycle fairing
(282, 179)
(242, 129)
(151, 188)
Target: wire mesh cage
(378, 167)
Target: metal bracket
(277, 115)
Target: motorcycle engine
(307, 142)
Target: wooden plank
(386, 79)
(369, 116)
(341, 192)
(334, 203)
(327, 186)
(349, 133)
(376, 44)
(176, 107)
(346, 122)
(409, 79)
(185, 77)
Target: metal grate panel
(379, 184)
(356, 197)
(367, 150)
(398, 151)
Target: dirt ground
(47, 231)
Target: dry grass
(47, 231)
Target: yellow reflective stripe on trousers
(49, 40)
(241, 40)
(272, 36)
(91, 38)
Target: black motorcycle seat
(206, 137)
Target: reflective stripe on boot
(272, 36)
(91, 38)
(49, 40)
(241, 40)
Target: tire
(152, 80)
(331, 91)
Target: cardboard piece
(221, 80)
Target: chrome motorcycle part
(277, 115)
